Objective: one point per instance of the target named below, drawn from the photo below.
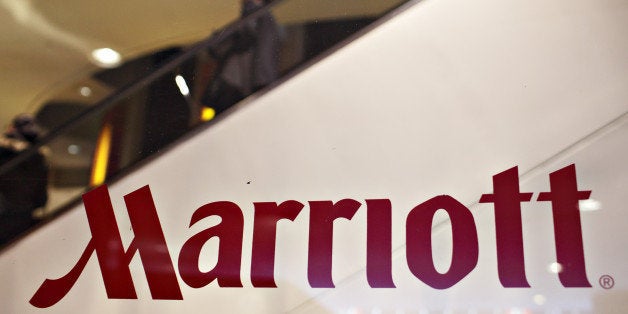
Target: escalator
(156, 99)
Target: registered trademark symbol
(607, 282)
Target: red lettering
(379, 244)
(508, 227)
(264, 237)
(322, 216)
(230, 233)
(149, 241)
(150, 244)
(419, 242)
(564, 196)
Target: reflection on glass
(589, 205)
(539, 299)
(555, 268)
(155, 100)
(85, 91)
(106, 57)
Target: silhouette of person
(23, 188)
(248, 61)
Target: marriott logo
(150, 244)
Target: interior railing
(160, 97)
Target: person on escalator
(248, 60)
(23, 188)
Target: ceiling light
(74, 149)
(106, 57)
(207, 114)
(183, 86)
(85, 91)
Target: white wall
(435, 101)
